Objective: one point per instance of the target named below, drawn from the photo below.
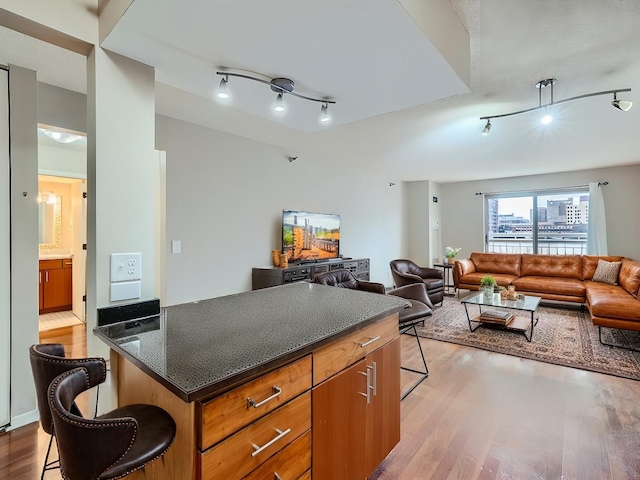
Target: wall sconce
(47, 197)
(282, 86)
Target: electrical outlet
(126, 267)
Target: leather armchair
(346, 279)
(112, 445)
(406, 272)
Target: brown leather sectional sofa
(561, 277)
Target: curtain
(597, 228)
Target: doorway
(61, 228)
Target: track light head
(222, 89)
(324, 114)
(279, 103)
(487, 128)
(623, 105)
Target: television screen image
(308, 236)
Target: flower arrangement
(451, 252)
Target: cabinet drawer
(306, 476)
(67, 263)
(227, 413)
(50, 264)
(235, 457)
(290, 463)
(338, 355)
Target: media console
(263, 277)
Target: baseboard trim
(24, 419)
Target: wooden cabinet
(350, 441)
(55, 285)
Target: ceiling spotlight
(324, 114)
(623, 105)
(279, 103)
(222, 89)
(60, 137)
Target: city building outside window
(547, 222)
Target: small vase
(488, 293)
(451, 260)
(284, 261)
(275, 257)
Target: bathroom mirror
(49, 221)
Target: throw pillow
(607, 272)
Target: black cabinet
(263, 277)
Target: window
(550, 222)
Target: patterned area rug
(563, 336)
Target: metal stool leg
(54, 464)
(424, 374)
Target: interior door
(5, 263)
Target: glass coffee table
(517, 324)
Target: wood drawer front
(67, 262)
(228, 413)
(338, 355)
(50, 264)
(306, 476)
(232, 459)
(290, 463)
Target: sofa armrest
(413, 291)
(373, 287)
(462, 268)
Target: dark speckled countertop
(202, 348)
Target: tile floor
(49, 321)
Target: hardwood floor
(479, 415)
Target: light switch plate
(176, 246)
(126, 267)
(125, 291)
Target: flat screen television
(308, 236)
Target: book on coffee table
(495, 316)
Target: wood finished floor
(479, 415)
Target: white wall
(225, 195)
(62, 162)
(462, 215)
(24, 241)
(63, 108)
(5, 254)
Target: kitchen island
(241, 373)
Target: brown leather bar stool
(420, 309)
(47, 362)
(112, 445)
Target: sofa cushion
(629, 276)
(565, 266)
(551, 285)
(590, 262)
(474, 278)
(493, 263)
(611, 301)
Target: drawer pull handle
(270, 442)
(253, 404)
(276, 476)
(370, 341)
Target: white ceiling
(588, 45)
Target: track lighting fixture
(279, 103)
(281, 86)
(324, 114)
(623, 105)
(222, 89)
